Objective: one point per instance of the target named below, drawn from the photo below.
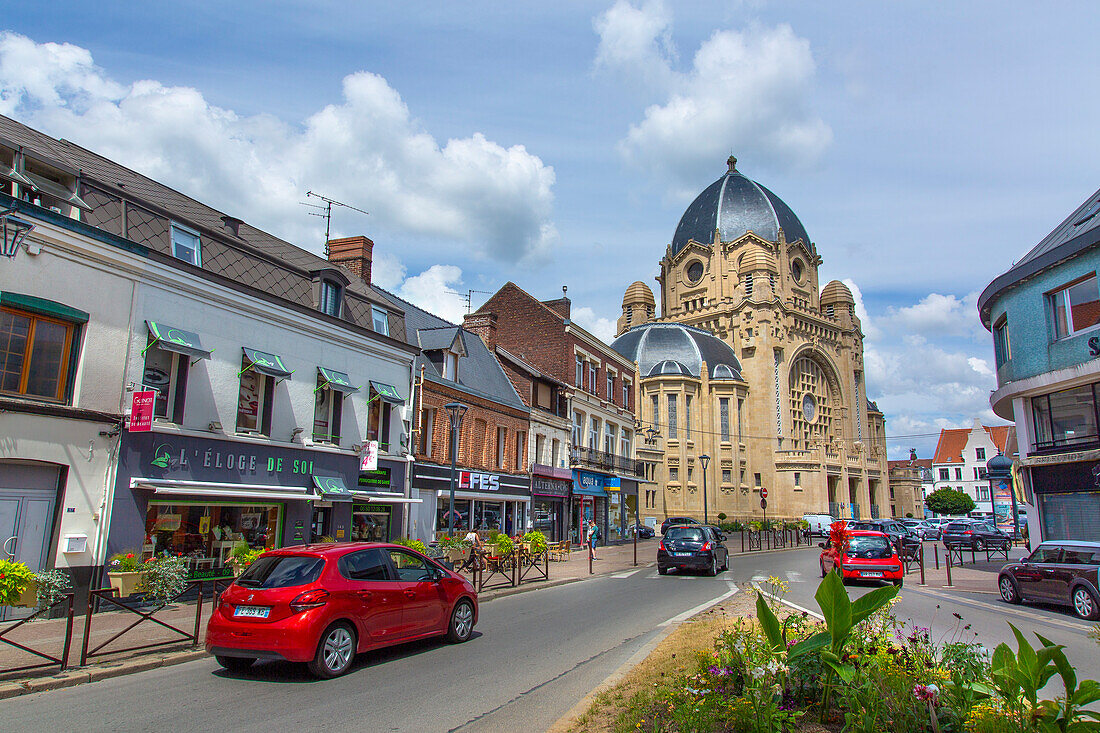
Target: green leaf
(819, 640)
(1087, 693)
(867, 604)
(836, 607)
(769, 623)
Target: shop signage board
(475, 481)
(589, 480)
(1002, 506)
(368, 458)
(549, 487)
(378, 478)
(141, 411)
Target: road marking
(785, 602)
(759, 579)
(1005, 609)
(794, 576)
(681, 617)
(627, 574)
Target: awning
(335, 380)
(332, 488)
(482, 496)
(387, 392)
(170, 487)
(384, 498)
(176, 339)
(52, 188)
(265, 363)
(579, 490)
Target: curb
(73, 677)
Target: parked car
(974, 535)
(917, 527)
(1063, 572)
(866, 555)
(644, 531)
(819, 523)
(911, 543)
(672, 521)
(693, 547)
(323, 604)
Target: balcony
(609, 462)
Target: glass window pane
(1061, 324)
(1084, 303)
(13, 347)
(1072, 414)
(381, 321)
(47, 357)
(410, 567)
(158, 376)
(250, 401)
(185, 245)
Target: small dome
(656, 347)
(836, 292)
(999, 465)
(638, 292)
(757, 259)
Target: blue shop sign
(586, 483)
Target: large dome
(673, 348)
(735, 205)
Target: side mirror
(721, 537)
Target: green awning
(178, 340)
(335, 380)
(265, 363)
(387, 392)
(332, 488)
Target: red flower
(2, 576)
(129, 554)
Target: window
(830, 311)
(555, 452)
(580, 371)
(35, 352)
(945, 474)
(673, 473)
(594, 434)
(610, 387)
(578, 430)
(380, 319)
(365, 565)
(727, 475)
(1066, 418)
(540, 448)
(609, 438)
(166, 374)
(748, 285)
(186, 245)
(656, 412)
(502, 436)
(672, 416)
(410, 568)
(254, 402)
(427, 432)
(521, 444)
(687, 416)
(330, 298)
(450, 365)
(980, 474)
(624, 443)
(626, 394)
(691, 472)
(1075, 307)
(740, 426)
(1001, 347)
(326, 414)
(724, 418)
(756, 478)
(958, 474)
(979, 454)
(593, 372)
(378, 421)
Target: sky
(924, 147)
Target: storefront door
(322, 529)
(27, 498)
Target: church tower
(638, 307)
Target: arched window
(810, 403)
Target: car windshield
(691, 534)
(281, 571)
(870, 548)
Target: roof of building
(657, 347)
(836, 292)
(638, 291)
(735, 205)
(479, 373)
(907, 463)
(953, 441)
(1077, 232)
(526, 366)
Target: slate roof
(479, 373)
(953, 441)
(656, 347)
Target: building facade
(959, 462)
(742, 268)
(1043, 314)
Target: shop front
(202, 497)
(1068, 498)
(549, 497)
(378, 512)
(591, 499)
(484, 501)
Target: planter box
(127, 583)
(457, 555)
(29, 598)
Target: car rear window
(956, 527)
(691, 534)
(1080, 556)
(870, 548)
(282, 571)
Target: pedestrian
(593, 534)
(475, 549)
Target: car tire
(462, 622)
(335, 652)
(979, 545)
(662, 571)
(822, 566)
(1085, 604)
(234, 664)
(1010, 593)
(713, 566)
(899, 582)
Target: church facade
(752, 374)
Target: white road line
(1007, 610)
(628, 573)
(794, 576)
(680, 618)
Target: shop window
(371, 522)
(461, 514)
(205, 534)
(1075, 307)
(380, 320)
(255, 401)
(327, 413)
(378, 420)
(186, 244)
(1065, 419)
(166, 374)
(37, 354)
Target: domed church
(752, 369)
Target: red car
(323, 604)
(866, 555)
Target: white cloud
(367, 150)
(387, 271)
(940, 315)
(746, 90)
(437, 290)
(600, 327)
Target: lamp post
(14, 230)
(455, 410)
(704, 460)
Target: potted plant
(535, 542)
(126, 572)
(455, 550)
(242, 556)
(165, 577)
(52, 586)
(17, 584)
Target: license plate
(252, 611)
(870, 574)
(680, 554)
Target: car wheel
(899, 582)
(979, 545)
(335, 653)
(662, 571)
(1085, 603)
(1009, 592)
(462, 622)
(235, 664)
(713, 566)
(822, 565)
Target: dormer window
(329, 286)
(186, 245)
(381, 320)
(331, 297)
(50, 187)
(450, 365)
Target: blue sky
(925, 148)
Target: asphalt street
(533, 656)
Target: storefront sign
(1074, 457)
(368, 458)
(591, 481)
(1002, 506)
(378, 478)
(141, 411)
(549, 487)
(473, 481)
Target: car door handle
(410, 593)
(366, 595)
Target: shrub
(165, 577)
(504, 544)
(125, 562)
(14, 579)
(52, 585)
(537, 540)
(949, 501)
(411, 544)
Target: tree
(949, 501)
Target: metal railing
(63, 660)
(606, 461)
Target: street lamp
(14, 230)
(703, 461)
(456, 410)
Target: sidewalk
(971, 577)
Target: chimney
(232, 225)
(561, 305)
(484, 325)
(352, 253)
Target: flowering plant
(14, 579)
(125, 562)
(165, 577)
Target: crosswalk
(791, 576)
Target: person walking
(476, 546)
(593, 534)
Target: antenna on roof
(327, 215)
(469, 296)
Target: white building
(960, 459)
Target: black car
(910, 541)
(692, 547)
(974, 535)
(1063, 572)
(672, 521)
(643, 531)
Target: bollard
(949, 583)
(590, 558)
(936, 548)
(973, 557)
(922, 563)
(635, 543)
(742, 539)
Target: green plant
(125, 562)
(165, 577)
(52, 586)
(14, 579)
(756, 525)
(504, 544)
(537, 540)
(411, 544)
(949, 501)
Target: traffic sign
(763, 493)
(763, 503)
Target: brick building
(598, 386)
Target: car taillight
(661, 546)
(706, 546)
(310, 599)
(968, 532)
